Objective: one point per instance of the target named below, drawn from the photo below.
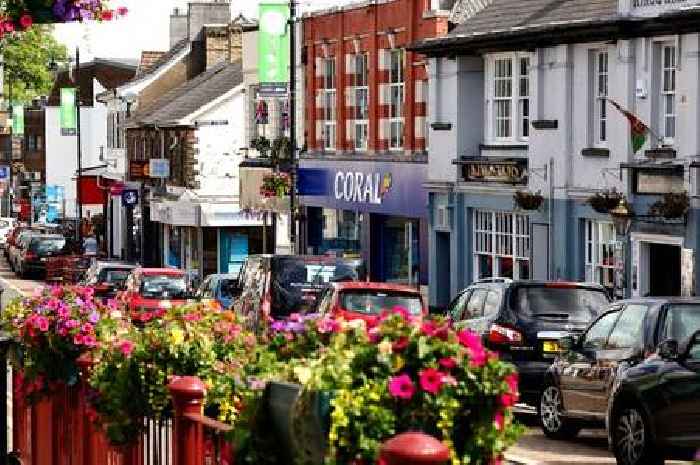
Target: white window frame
(361, 88)
(601, 83)
(329, 104)
(397, 87)
(517, 99)
(596, 251)
(668, 86)
(501, 234)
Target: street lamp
(622, 217)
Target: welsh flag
(638, 130)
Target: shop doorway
(442, 273)
(395, 249)
(664, 270)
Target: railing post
(414, 449)
(188, 435)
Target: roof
(194, 94)
(157, 271)
(361, 285)
(162, 60)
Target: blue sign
(130, 197)
(375, 187)
(4, 172)
(52, 213)
(51, 194)
(159, 168)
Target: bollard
(414, 449)
(188, 435)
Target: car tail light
(503, 335)
(30, 255)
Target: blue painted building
(520, 101)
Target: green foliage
(27, 59)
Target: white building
(520, 100)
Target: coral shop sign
(359, 187)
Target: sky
(145, 27)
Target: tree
(27, 59)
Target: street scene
(342, 232)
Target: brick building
(366, 133)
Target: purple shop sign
(388, 188)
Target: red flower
(401, 387)
(400, 344)
(78, 339)
(26, 21)
(122, 11)
(107, 15)
(508, 400)
(477, 357)
(429, 328)
(470, 340)
(448, 363)
(499, 420)
(431, 380)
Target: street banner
(17, 120)
(68, 114)
(273, 48)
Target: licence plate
(43, 259)
(550, 346)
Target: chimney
(206, 13)
(178, 26)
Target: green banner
(17, 120)
(68, 112)
(273, 46)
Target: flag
(638, 130)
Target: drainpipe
(550, 258)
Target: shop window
(341, 231)
(600, 253)
(401, 250)
(501, 245)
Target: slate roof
(191, 96)
(164, 59)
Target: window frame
(496, 243)
(595, 251)
(397, 87)
(329, 95)
(670, 94)
(600, 95)
(516, 101)
(361, 87)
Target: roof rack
(493, 280)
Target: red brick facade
(381, 31)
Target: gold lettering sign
(503, 172)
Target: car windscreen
(373, 302)
(297, 282)
(682, 321)
(573, 304)
(47, 245)
(113, 275)
(163, 287)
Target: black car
(636, 370)
(524, 320)
(275, 286)
(36, 250)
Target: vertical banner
(273, 48)
(17, 120)
(68, 112)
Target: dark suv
(636, 370)
(524, 320)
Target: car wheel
(632, 443)
(551, 414)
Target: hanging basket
(603, 202)
(526, 200)
(19, 15)
(674, 205)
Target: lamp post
(622, 217)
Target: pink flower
(112, 304)
(71, 324)
(78, 339)
(508, 400)
(470, 340)
(431, 380)
(400, 344)
(499, 420)
(497, 460)
(89, 340)
(448, 363)
(401, 311)
(477, 357)
(192, 317)
(401, 387)
(374, 335)
(87, 328)
(429, 328)
(122, 11)
(42, 323)
(512, 382)
(327, 325)
(126, 347)
(107, 15)
(449, 380)
(56, 291)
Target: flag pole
(648, 126)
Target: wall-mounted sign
(657, 7)
(178, 213)
(68, 112)
(139, 169)
(130, 197)
(510, 171)
(659, 181)
(159, 168)
(362, 187)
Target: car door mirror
(569, 342)
(668, 349)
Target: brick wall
(373, 30)
(176, 144)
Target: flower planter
(528, 200)
(673, 205)
(310, 427)
(603, 202)
(280, 398)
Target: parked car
(524, 320)
(11, 240)
(219, 287)
(18, 246)
(366, 301)
(6, 225)
(108, 277)
(150, 291)
(35, 250)
(275, 286)
(636, 369)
